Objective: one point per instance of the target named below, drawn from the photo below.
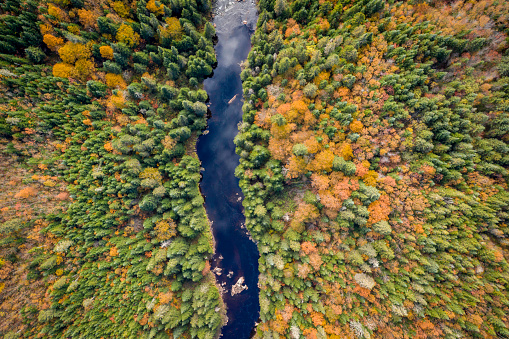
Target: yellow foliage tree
(370, 178)
(115, 80)
(126, 35)
(324, 24)
(45, 29)
(174, 29)
(281, 132)
(151, 173)
(74, 29)
(157, 10)
(296, 166)
(52, 42)
(305, 212)
(346, 151)
(106, 52)
(71, 52)
(120, 8)
(323, 161)
(84, 68)
(320, 77)
(165, 229)
(87, 18)
(55, 11)
(64, 70)
(116, 101)
(356, 126)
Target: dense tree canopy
(103, 217)
(374, 163)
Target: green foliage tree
(281, 8)
(97, 89)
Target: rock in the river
(239, 286)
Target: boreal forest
(373, 161)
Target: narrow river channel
(236, 255)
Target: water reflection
(236, 255)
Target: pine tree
(281, 8)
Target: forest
(103, 230)
(374, 163)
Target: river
(236, 255)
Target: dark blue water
(220, 187)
